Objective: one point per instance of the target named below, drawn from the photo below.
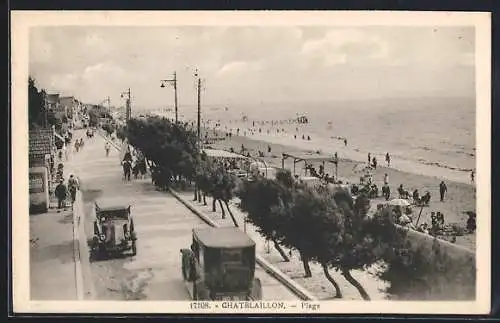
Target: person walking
(65, 152)
(107, 147)
(374, 162)
(442, 190)
(73, 186)
(77, 145)
(126, 170)
(60, 193)
(369, 158)
(388, 159)
(386, 179)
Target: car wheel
(256, 291)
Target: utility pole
(45, 109)
(128, 111)
(172, 82)
(199, 109)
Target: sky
(253, 64)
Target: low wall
(453, 277)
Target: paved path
(163, 226)
(52, 265)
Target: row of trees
(172, 151)
(323, 223)
(170, 148)
(38, 116)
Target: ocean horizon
(433, 136)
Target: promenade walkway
(52, 258)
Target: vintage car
(220, 265)
(113, 228)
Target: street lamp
(172, 82)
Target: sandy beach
(460, 196)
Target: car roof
(225, 237)
(112, 204)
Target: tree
(93, 118)
(292, 236)
(259, 198)
(120, 133)
(314, 227)
(171, 147)
(108, 128)
(222, 187)
(203, 183)
(36, 106)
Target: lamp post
(128, 111)
(172, 82)
(199, 107)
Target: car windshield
(114, 214)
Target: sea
(429, 136)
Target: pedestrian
(416, 196)
(77, 145)
(386, 179)
(127, 156)
(388, 159)
(472, 176)
(442, 190)
(65, 152)
(60, 193)
(73, 186)
(374, 162)
(345, 142)
(126, 170)
(107, 147)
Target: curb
(76, 251)
(268, 268)
(87, 290)
(79, 246)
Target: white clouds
(231, 68)
(340, 46)
(249, 63)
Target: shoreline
(437, 169)
(262, 142)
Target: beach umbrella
(399, 202)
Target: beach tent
(218, 153)
(297, 158)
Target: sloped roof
(40, 141)
(223, 237)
